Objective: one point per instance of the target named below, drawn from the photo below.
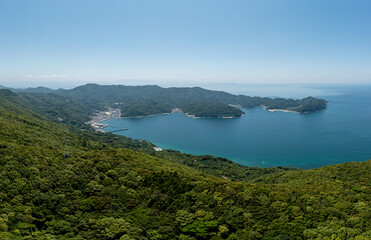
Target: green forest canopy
(148, 100)
(112, 187)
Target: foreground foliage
(104, 191)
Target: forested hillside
(199, 102)
(107, 189)
(76, 106)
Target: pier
(119, 130)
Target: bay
(342, 133)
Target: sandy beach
(277, 110)
(280, 110)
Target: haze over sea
(342, 133)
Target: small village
(99, 117)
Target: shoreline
(145, 116)
(278, 110)
(100, 116)
(281, 110)
(177, 110)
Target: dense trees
(107, 189)
(76, 106)
(148, 100)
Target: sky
(184, 42)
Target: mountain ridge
(152, 99)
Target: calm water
(342, 133)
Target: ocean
(341, 133)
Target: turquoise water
(342, 133)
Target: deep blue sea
(342, 133)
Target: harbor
(101, 116)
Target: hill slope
(76, 106)
(103, 191)
(199, 102)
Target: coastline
(111, 113)
(100, 116)
(157, 114)
(281, 110)
(144, 116)
(278, 110)
(175, 110)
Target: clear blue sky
(191, 41)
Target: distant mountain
(76, 106)
(39, 89)
(148, 100)
(6, 93)
(33, 90)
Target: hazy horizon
(208, 85)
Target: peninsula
(91, 102)
(142, 101)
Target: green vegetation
(54, 106)
(75, 106)
(149, 100)
(112, 187)
(305, 105)
(217, 166)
